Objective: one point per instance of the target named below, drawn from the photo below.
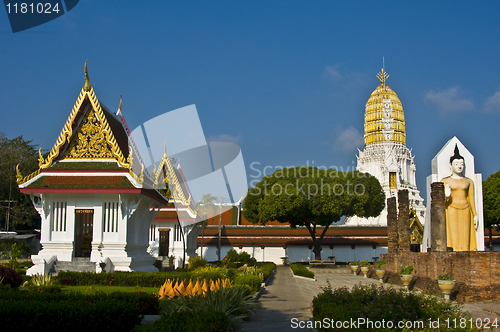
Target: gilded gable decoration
(89, 141)
(87, 93)
(166, 169)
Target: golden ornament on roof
(384, 116)
(382, 76)
(19, 176)
(86, 87)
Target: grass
(109, 289)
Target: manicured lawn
(109, 289)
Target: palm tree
(207, 203)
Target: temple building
(97, 202)
(385, 155)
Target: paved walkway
(285, 298)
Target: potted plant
(380, 270)
(354, 266)
(405, 273)
(365, 267)
(446, 284)
(284, 259)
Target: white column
(95, 255)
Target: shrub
(242, 258)
(44, 284)
(245, 258)
(195, 262)
(232, 256)
(15, 252)
(252, 281)
(234, 302)
(300, 270)
(81, 312)
(215, 321)
(10, 277)
(267, 269)
(252, 270)
(376, 303)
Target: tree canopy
(312, 197)
(491, 201)
(13, 152)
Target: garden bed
(301, 271)
(377, 304)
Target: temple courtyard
(286, 297)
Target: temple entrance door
(84, 222)
(164, 240)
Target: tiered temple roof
(91, 155)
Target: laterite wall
(477, 273)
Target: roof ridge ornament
(382, 76)
(86, 87)
(119, 112)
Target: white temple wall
(299, 253)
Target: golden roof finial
(86, 87)
(41, 161)
(19, 177)
(120, 106)
(382, 76)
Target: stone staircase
(79, 264)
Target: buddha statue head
(457, 162)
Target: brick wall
(477, 273)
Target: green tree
(22, 214)
(313, 198)
(491, 202)
(207, 204)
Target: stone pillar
(392, 226)
(438, 217)
(404, 231)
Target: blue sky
(286, 80)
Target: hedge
(215, 321)
(267, 269)
(252, 281)
(300, 270)
(142, 279)
(22, 310)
